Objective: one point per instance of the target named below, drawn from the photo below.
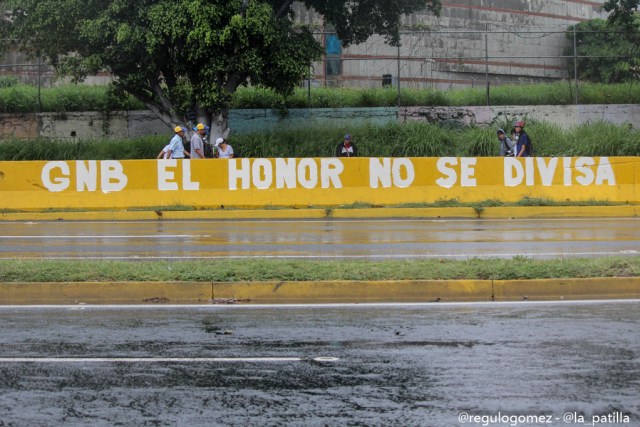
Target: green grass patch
(452, 203)
(301, 270)
(17, 98)
(411, 139)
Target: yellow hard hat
(178, 129)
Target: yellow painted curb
(356, 291)
(105, 293)
(567, 289)
(318, 291)
(558, 211)
(454, 212)
(338, 213)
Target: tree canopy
(621, 11)
(607, 52)
(191, 55)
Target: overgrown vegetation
(300, 270)
(607, 52)
(24, 99)
(412, 139)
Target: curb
(333, 213)
(310, 292)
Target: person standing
(225, 151)
(176, 146)
(197, 143)
(507, 146)
(523, 148)
(163, 154)
(346, 148)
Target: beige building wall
(511, 41)
(508, 41)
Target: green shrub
(8, 81)
(16, 98)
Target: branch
(166, 115)
(285, 6)
(162, 98)
(243, 9)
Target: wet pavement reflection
(322, 239)
(401, 365)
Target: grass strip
(306, 270)
(17, 98)
(411, 139)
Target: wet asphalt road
(322, 239)
(397, 365)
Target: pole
(398, 79)
(575, 61)
(486, 64)
(309, 87)
(39, 83)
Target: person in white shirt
(163, 154)
(225, 151)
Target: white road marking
(161, 359)
(347, 220)
(474, 255)
(100, 236)
(117, 307)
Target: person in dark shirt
(523, 147)
(346, 148)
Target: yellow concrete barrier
(330, 182)
(311, 292)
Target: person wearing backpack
(524, 147)
(507, 146)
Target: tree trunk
(169, 119)
(220, 124)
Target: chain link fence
(429, 60)
(454, 59)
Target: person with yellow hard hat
(176, 146)
(197, 141)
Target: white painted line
(100, 236)
(105, 307)
(326, 359)
(474, 255)
(160, 359)
(342, 220)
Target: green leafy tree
(607, 52)
(622, 11)
(192, 55)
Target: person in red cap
(523, 148)
(346, 148)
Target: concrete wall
(331, 181)
(133, 124)
(524, 41)
(564, 116)
(431, 55)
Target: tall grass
(69, 98)
(24, 99)
(412, 139)
(44, 149)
